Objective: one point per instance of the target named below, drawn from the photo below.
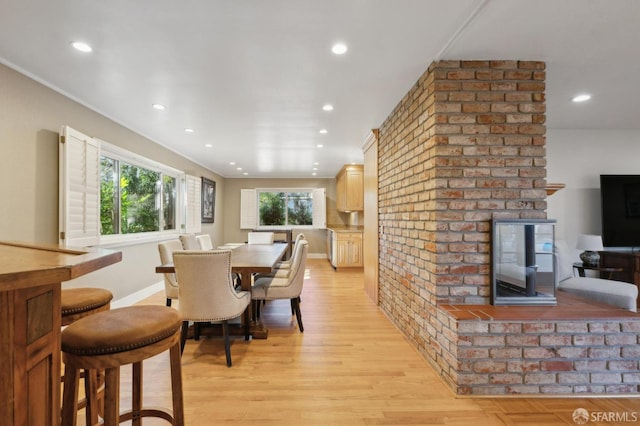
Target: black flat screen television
(620, 198)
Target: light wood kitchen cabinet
(348, 249)
(350, 188)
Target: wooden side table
(581, 267)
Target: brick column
(465, 144)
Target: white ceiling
(251, 76)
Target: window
(110, 195)
(135, 199)
(283, 207)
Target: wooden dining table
(246, 260)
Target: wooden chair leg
(183, 335)
(227, 343)
(247, 331)
(298, 313)
(196, 331)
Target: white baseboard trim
(139, 295)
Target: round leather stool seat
(120, 330)
(77, 303)
(109, 339)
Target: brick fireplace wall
(466, 144)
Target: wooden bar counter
(30, 284)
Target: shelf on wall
(551, 188)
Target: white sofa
(616, 293)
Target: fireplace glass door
(522, 263)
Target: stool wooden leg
(91, 396)
(176, 385)
(112, 396)
(70, 396)
(136, 394)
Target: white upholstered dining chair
(260, 237)
(289, 287)
(204, 242)
(207, 292)
(166, 249)
(189, 242)
(286, 264)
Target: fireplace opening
(522, 262)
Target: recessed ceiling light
(581, 98)
(328, 107)
(208, 145)
(339, 48)
(238, 168)
(233, 163)
(188, 130)
(323, 131)
(313, 174)
(320, 145)
(245, 174)
(315, 168)
(81, 46)
(316, 163)
(159, 107)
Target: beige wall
(316, 238)
(31, 117)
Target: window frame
(120, 154)
(250, 208)
(286, 206)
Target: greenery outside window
(135, 199)
(279, 208)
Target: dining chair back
(189, 242)
(260, 237)
(166, 249)
(286, 264)
(204, 242)
(207, 292)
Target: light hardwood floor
(351, 366)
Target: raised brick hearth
(467, 144)
(541, 350)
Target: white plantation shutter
(79, 194)
(248, 208)
(319, 214)
(194, 200)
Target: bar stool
(76, 303)
(110, 339)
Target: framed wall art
(208, 200)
